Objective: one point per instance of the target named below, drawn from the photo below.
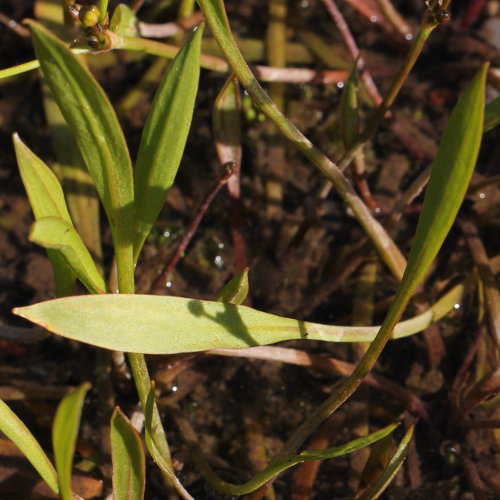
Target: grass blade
(95, 127)
(164, 137)
(47, 200)
(64, 433)
(129, 462)
(12, 426)
(55, 233)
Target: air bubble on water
(166, 234)
(377, 210)
(457, 306)
(482, 196)
(175, 388)
(220, 246)
(409, 36)
(219, 261)
(304, 4)
(340, 85)
(373, 19)
(168, 284)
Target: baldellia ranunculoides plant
(132, 200)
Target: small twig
(14, 26)
(229, 170)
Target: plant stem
(103, 7)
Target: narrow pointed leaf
(153, 450)
(129, 463)
(164, 137)
(55, 233)
(47, 200)
(390, 471)
(236, 291)
(15, 430)
(162, 325)
(95, 127)
(64, 434)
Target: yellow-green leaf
(13, 427)
(129, 463)
(47, 200)
(64, 434)
(96, 129)
(164, 136)
(55, 233)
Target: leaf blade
(128, 459)
(64, 433)
(13, 427)
(55, 233)
(94, 124)
(164, 136)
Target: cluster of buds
(88, 17)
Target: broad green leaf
(236, 291)
(95, 127)
(15, 430)
(176, 324)
(46, 199)
(129, 463)
(55, 233)
(64, 434)
(164, 136)
(153, 450)
(123, 22)
(492, 115)
(390, 471)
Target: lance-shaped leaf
(164, 136)
(165, 325)
(55, 233)
(349, 121)
(236, 291)
(153, 450)
(64, 434)
(95, 127)
(129, 463)
(375, 490)
(13, 427)
(47, 200)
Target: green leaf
(349, 122)
(236, 291)
(123, 22)
(64, 434)
(278, 465)
(57, 234)
(390, 471)
(129, 463)
(492, 114)
(47, 200)
(153, 450)
(14, 429)
(164, 136)
(177, 324)
(95, 127)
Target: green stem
(385, 246)
(103, 7)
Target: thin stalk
(103, 8)
(389, 252)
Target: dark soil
(239, 407)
